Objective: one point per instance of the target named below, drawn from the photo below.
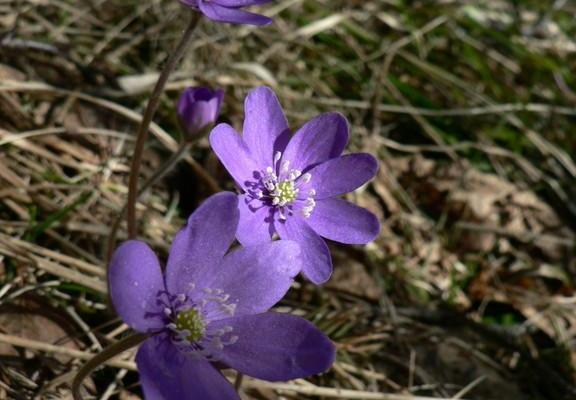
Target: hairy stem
(106, 354)
(151, 108)
(238, 381)
(159, 174)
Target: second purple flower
(229, 11)
(209, 310)
(198, 108)
(291, 183)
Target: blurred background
(468, 292)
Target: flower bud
(198, 109)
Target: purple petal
(231, 15)
(135, 278)
(202, 243)
(265, 126)
(255, 224)
(233, 153)
(344, 222)
(199, 107)
(240, 3)
(277, 347)
(342, 175)
(257, 277)
(320, 139)
(316, 261)
(166, 374)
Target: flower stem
(238, 381)
(151, 108)
(106, 354)
(159, 174)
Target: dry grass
(469, 290)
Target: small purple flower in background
(198, 108)
(290, 183)
(209, 310)
(229, 11)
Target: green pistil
(286, 192)
(191, 321)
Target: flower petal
(344, 222)
(265, 126)
(320, 139)
(231, 15)
(202, 243)
(166, 374)
(316, 261)
(255, 225)
(257, 277)
(199, 107)
(342, 175)
(277, 347)
(135, 279)
(233, 153)
(240, 3)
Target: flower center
(285, 193)
(188, 320)
(282, 187)
(190, 324)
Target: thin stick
(51, 348)
(151, 108)
(329, 392)
(238, 381)
(100, 358)
(160, 172)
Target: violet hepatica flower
(208, 310)
(198, 108)
(290, 184)
(229, 11)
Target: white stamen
(229, 309)
(277, 157)
(217, 343)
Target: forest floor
(468, 292)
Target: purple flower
(198, 108)
(209, 309)
(229, 11)
(290, 183)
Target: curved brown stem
(238, 381)
(159, 174)
(106, 354)
(151, 108)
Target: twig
(332, 392)
(50, 348)
(469, 387)
(102, 357)
(160, 172)
(238, 381)
(151, 108)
